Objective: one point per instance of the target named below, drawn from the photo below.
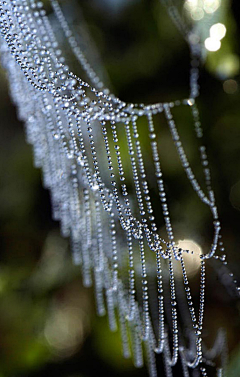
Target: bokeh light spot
(192, 260)
(230, 86)
(210, 6)
(197, 14)
(212, 44)
(218, 31)
(228, 66)
(64, 331)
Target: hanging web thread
(86, 141)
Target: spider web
(100, 165)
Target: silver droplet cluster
(86, 141)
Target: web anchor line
(89, 146)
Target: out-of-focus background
(48, 325)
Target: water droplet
(191, 101)
(95, 187)
(152, 136)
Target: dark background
(48, 325)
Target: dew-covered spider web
(101, 161)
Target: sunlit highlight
(218, 31)
(191, 5)
(197, 8)
(210, 6)
(212, 44)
